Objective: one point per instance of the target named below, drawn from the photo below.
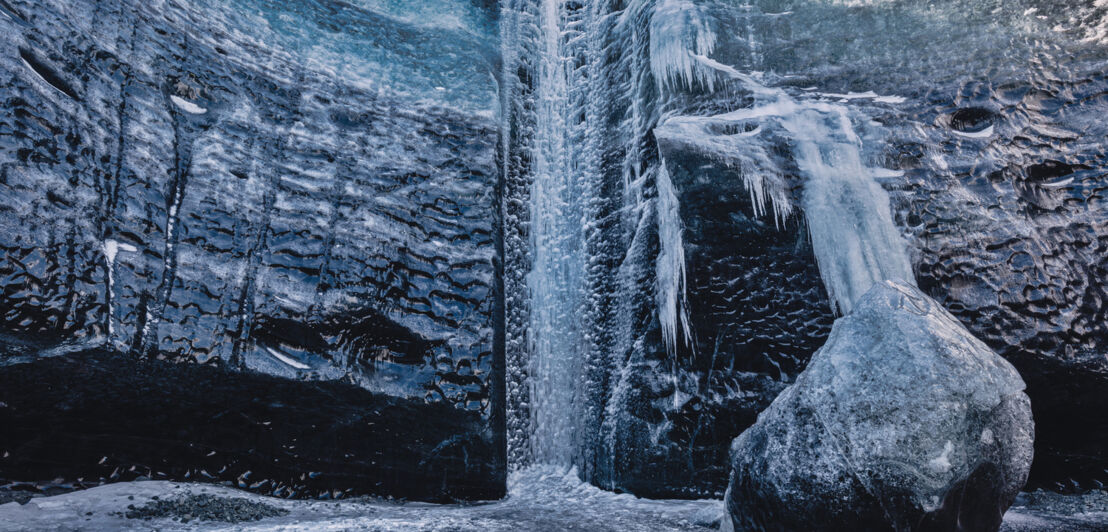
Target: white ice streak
(868, 95)
(670, 292)
(983, 134)
(286, 359)
(1058, 184)
(187, 106)
(111, 249)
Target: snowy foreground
(540, 500)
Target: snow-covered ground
(542, 499)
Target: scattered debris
(204, 507)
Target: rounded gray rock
(901, 421)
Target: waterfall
(580, 97)
(557, 268)
(853, 237)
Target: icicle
(671, 290)
(679, 32)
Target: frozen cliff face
(299, 189)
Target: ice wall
(250, 192)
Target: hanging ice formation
(853, 235)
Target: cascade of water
(849, 219)
(557, 270)
(581, 92)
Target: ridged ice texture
(210, 180)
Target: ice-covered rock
(903, 420)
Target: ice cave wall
(304, 190)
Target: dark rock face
(757, 310)
(205, 183)
(98, 416)
(902, 421)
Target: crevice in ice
(47, 74)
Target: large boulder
(902, 421)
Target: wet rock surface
(903, 421)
